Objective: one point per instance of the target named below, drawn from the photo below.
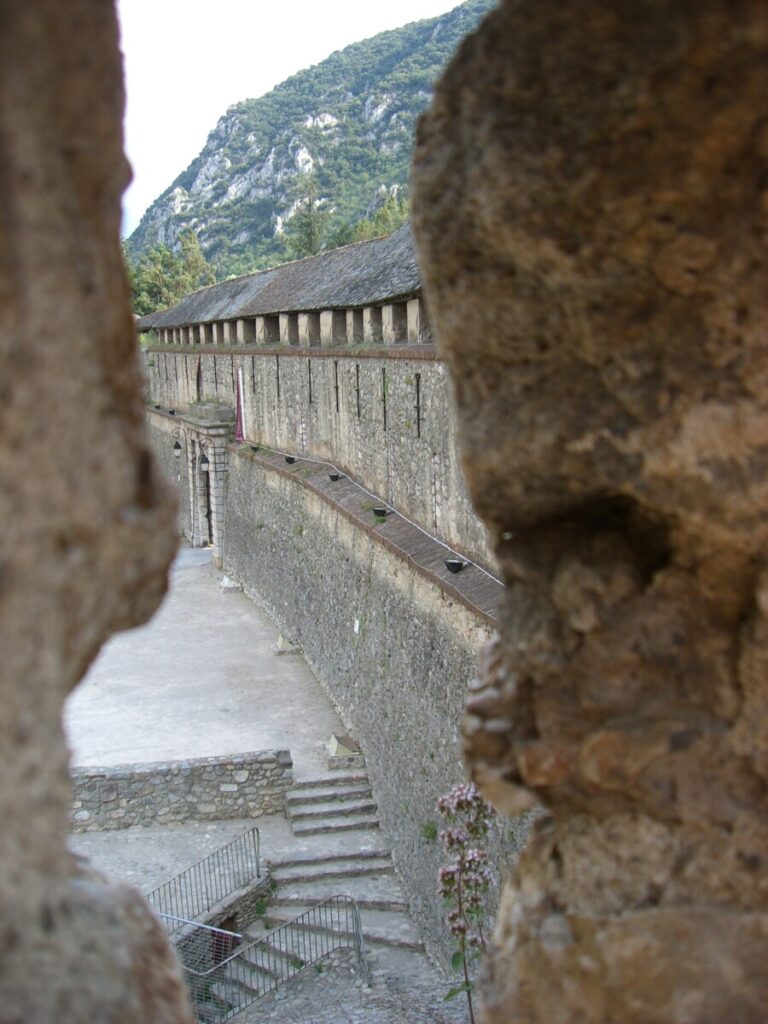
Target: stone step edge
(371, 936)
(325, 858)
(356, 871)
(346, 824)
(333, 779)
(343, 808)
(320, 794)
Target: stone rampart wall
(394, 646)
(384, 417)
(203, 789)
(163, 431)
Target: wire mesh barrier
(205, 884)
(224, 977)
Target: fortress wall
(385, 419)
(162, 430)
(393, 648)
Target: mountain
(346, 125)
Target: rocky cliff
(349, 120)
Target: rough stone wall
(197, 789)
(394, 652)
(163, 431)
(411, 463)
(590, 204)
(87, 531)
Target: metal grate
(222, 984)
(203, 885)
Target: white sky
(187, 61)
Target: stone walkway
(340, 995)
(201, 679)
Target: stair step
(380, 927)
(330, 809)
(332, 779)
(337, 823)
(380, 891)
(353, 853)
(265, 970)
(232, 992)
(292, 948)
(315, 794)
(337, 867)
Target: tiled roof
(362, 274)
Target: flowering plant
(464, 881)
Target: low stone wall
(203, 789)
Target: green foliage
(161, 277)
(305, 232)
(429, 831)
(391, 215)
(372, 93)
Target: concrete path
(202, 678)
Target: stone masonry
(87, 531)
(591, 207)
(201, 789)
(386, 416)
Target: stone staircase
(339, 801)
(343, 852)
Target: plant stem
(460, 907)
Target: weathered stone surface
(590, 205)
(87, 533)
(214, 788)
(393, 649)
(412, 462)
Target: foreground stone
(590, 204)
(87, 532)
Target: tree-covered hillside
(345, 125)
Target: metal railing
(223, 980)
(203, 885)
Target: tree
(305, 230)
(161, 277)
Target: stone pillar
(289, 329)
(394, 323)
(333, 327)
(354, 326)
(218, 476)
(309, 329)
(226, 332)
(216, 332)
(596, 277)
(418, 325)
(88, 527)
(246, 331)
(372, 325)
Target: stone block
(394, 323)
(372, 326)
(418, 325)
(333, 327)
(355, 334)
(289, 328)
(309, 329)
